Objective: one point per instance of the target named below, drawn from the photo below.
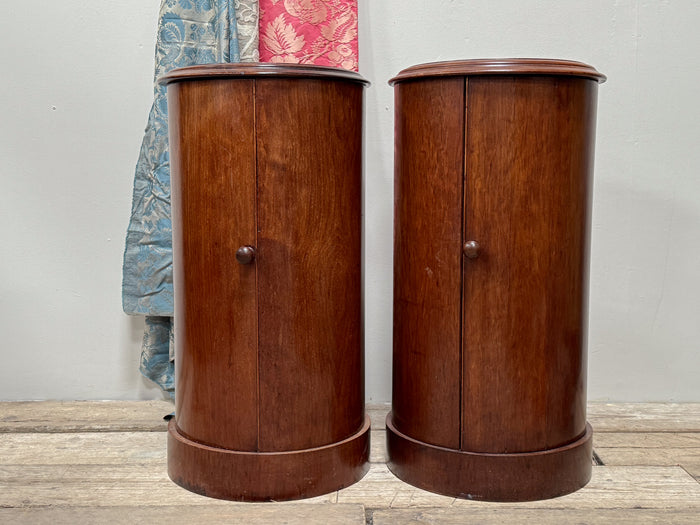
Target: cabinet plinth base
(267, 476)
(490, 477)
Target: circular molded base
(490, 477)
(267, 476)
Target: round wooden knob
(471, 249)
(245, 254)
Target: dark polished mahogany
(266, 166)
(494, 162)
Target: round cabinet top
(259, 70)
(500, 66)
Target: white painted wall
(66, 175)
(74, 97)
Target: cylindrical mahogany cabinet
(266, 164)
(494, 163)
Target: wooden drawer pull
(245, 254)
(471, 249)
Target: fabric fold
(190, 32)
(247, 20)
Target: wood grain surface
(212, 152)
(491, 477)
(458, 516)
(527, 202)
(267, 222)
(223, 514)
(49, 473)
(427, 259)
(493, 164)
(256, 70)
(499, 66)
(310, 342)
(84, 416)
(267, 476)
(644, 417)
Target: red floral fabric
(321, 32)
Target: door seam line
(465, 138)
(257, 262)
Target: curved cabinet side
(213, 206)
(527, 199)
(429, 134)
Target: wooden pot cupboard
(493, 170)
(266, 165)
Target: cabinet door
(528, 165)
(212, 152)
(309, 140)
(429, 130)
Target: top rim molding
(259, 70)
(500, 66)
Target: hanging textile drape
(247, 23)
(189, 32)
(321, 32)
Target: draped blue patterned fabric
(189, 32)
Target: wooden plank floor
(105, 462)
